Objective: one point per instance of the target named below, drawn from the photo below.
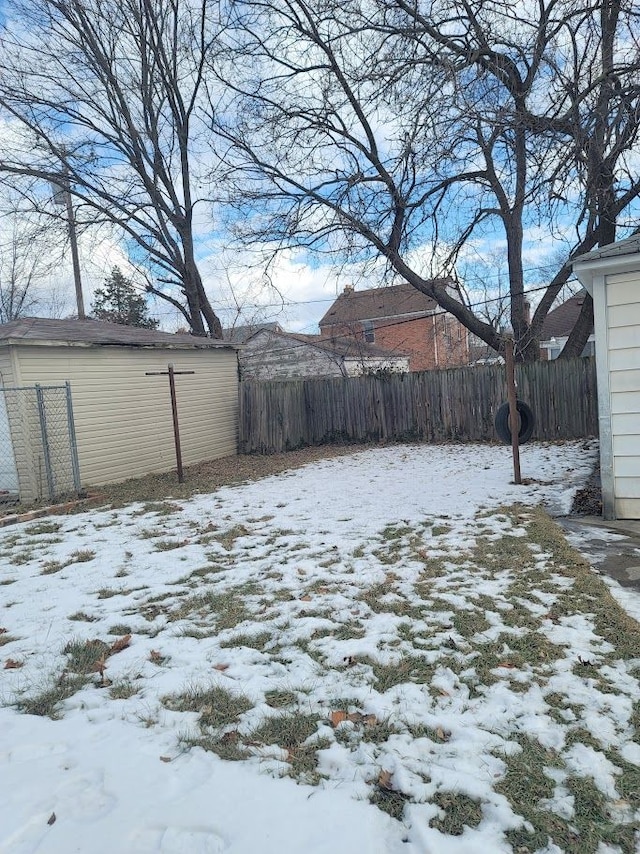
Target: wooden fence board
(435, 406)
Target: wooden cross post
(174, 410)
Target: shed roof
(630, 246)
(93, 333)
(378, 303)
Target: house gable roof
(342, 346)
(91, 333)
(239, 334)
(378, 303)
(561, 320)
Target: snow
(302, 583)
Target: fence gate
(38, 451)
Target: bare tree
(380, 128)
(27, 259)
(101, 97)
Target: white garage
(611, 274)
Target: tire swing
(527, 422)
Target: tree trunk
(580, 332)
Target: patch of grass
(7, 581)
(122, 690)
(469, 622)
(459, 810)
(49, 567)
(6, 638)
(256, 641)
(225, 745)
(389, 800)
(160, 508)
(120, 629)
(169, 545)
(21, 558)
(82, 555)
(409, 669)
(82, 617)
(228, 538)
(83, 656)
(347, 631)
(216, 706)
(279, 698)
(228, 608)
(440, 530)
(289, 731)
(46, 703)
(44, 527)
(303, 761)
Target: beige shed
(611, 274)
(120, 392)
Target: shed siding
(123, 417)
(6, 370)
(623, 331)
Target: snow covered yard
(395, 651)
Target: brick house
(401, 320)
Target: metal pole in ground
(171, 373)
(514, 417)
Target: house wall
(623, 358)
(123, 417)
(272, 357)
(435, 341)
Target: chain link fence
(38, 451)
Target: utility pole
(62, 197)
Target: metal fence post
(73, 445)
(42, 415)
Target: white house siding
(8, 470)
(623, 329)
(272, 357)
(123, 417)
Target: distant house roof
(348, 348)
(559, 322)
(90, 333)
(341, 346)
(239, 334)
(379, 303)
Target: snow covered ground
(388, 655)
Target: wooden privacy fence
(457, 404)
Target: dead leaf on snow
(221, 667)
(384, 780)
(165, 759)
(156, 657)
(120, 644)
(337, 718)
(51, 819)
(442, 734)
(12, 664)
(3, 631)
(305, 598)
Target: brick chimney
(348, 289)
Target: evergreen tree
(119, 302)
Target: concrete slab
(612, 547)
